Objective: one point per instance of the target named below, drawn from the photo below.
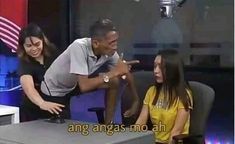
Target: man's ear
(95, 43)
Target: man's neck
(95, 50)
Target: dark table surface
(70, 132)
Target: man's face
(108, 45)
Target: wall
(7, 65)
(205, 25)
(52, 17)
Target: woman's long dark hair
(174, 85)
(35, 31)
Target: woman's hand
(51, 107)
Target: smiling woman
(33, 43)
(33, 47)
(36, 53)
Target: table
(42, 132)
(9, 115)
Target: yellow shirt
(163, 119)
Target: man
(80, 66)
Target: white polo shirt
(61, 77)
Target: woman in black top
(36, 54)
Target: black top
(35, 69)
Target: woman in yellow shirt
(169, 101)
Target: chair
(203, 97)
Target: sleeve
(113, 60)
(78, 59)
(181, 106)
(148, 95)
(24, 68)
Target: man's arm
(87, 84)
(135, 104)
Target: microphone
(168, 7)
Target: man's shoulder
(82, 41)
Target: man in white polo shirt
(79, 66)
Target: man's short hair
(101, 27)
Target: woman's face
(33, 46)
(157, 69)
